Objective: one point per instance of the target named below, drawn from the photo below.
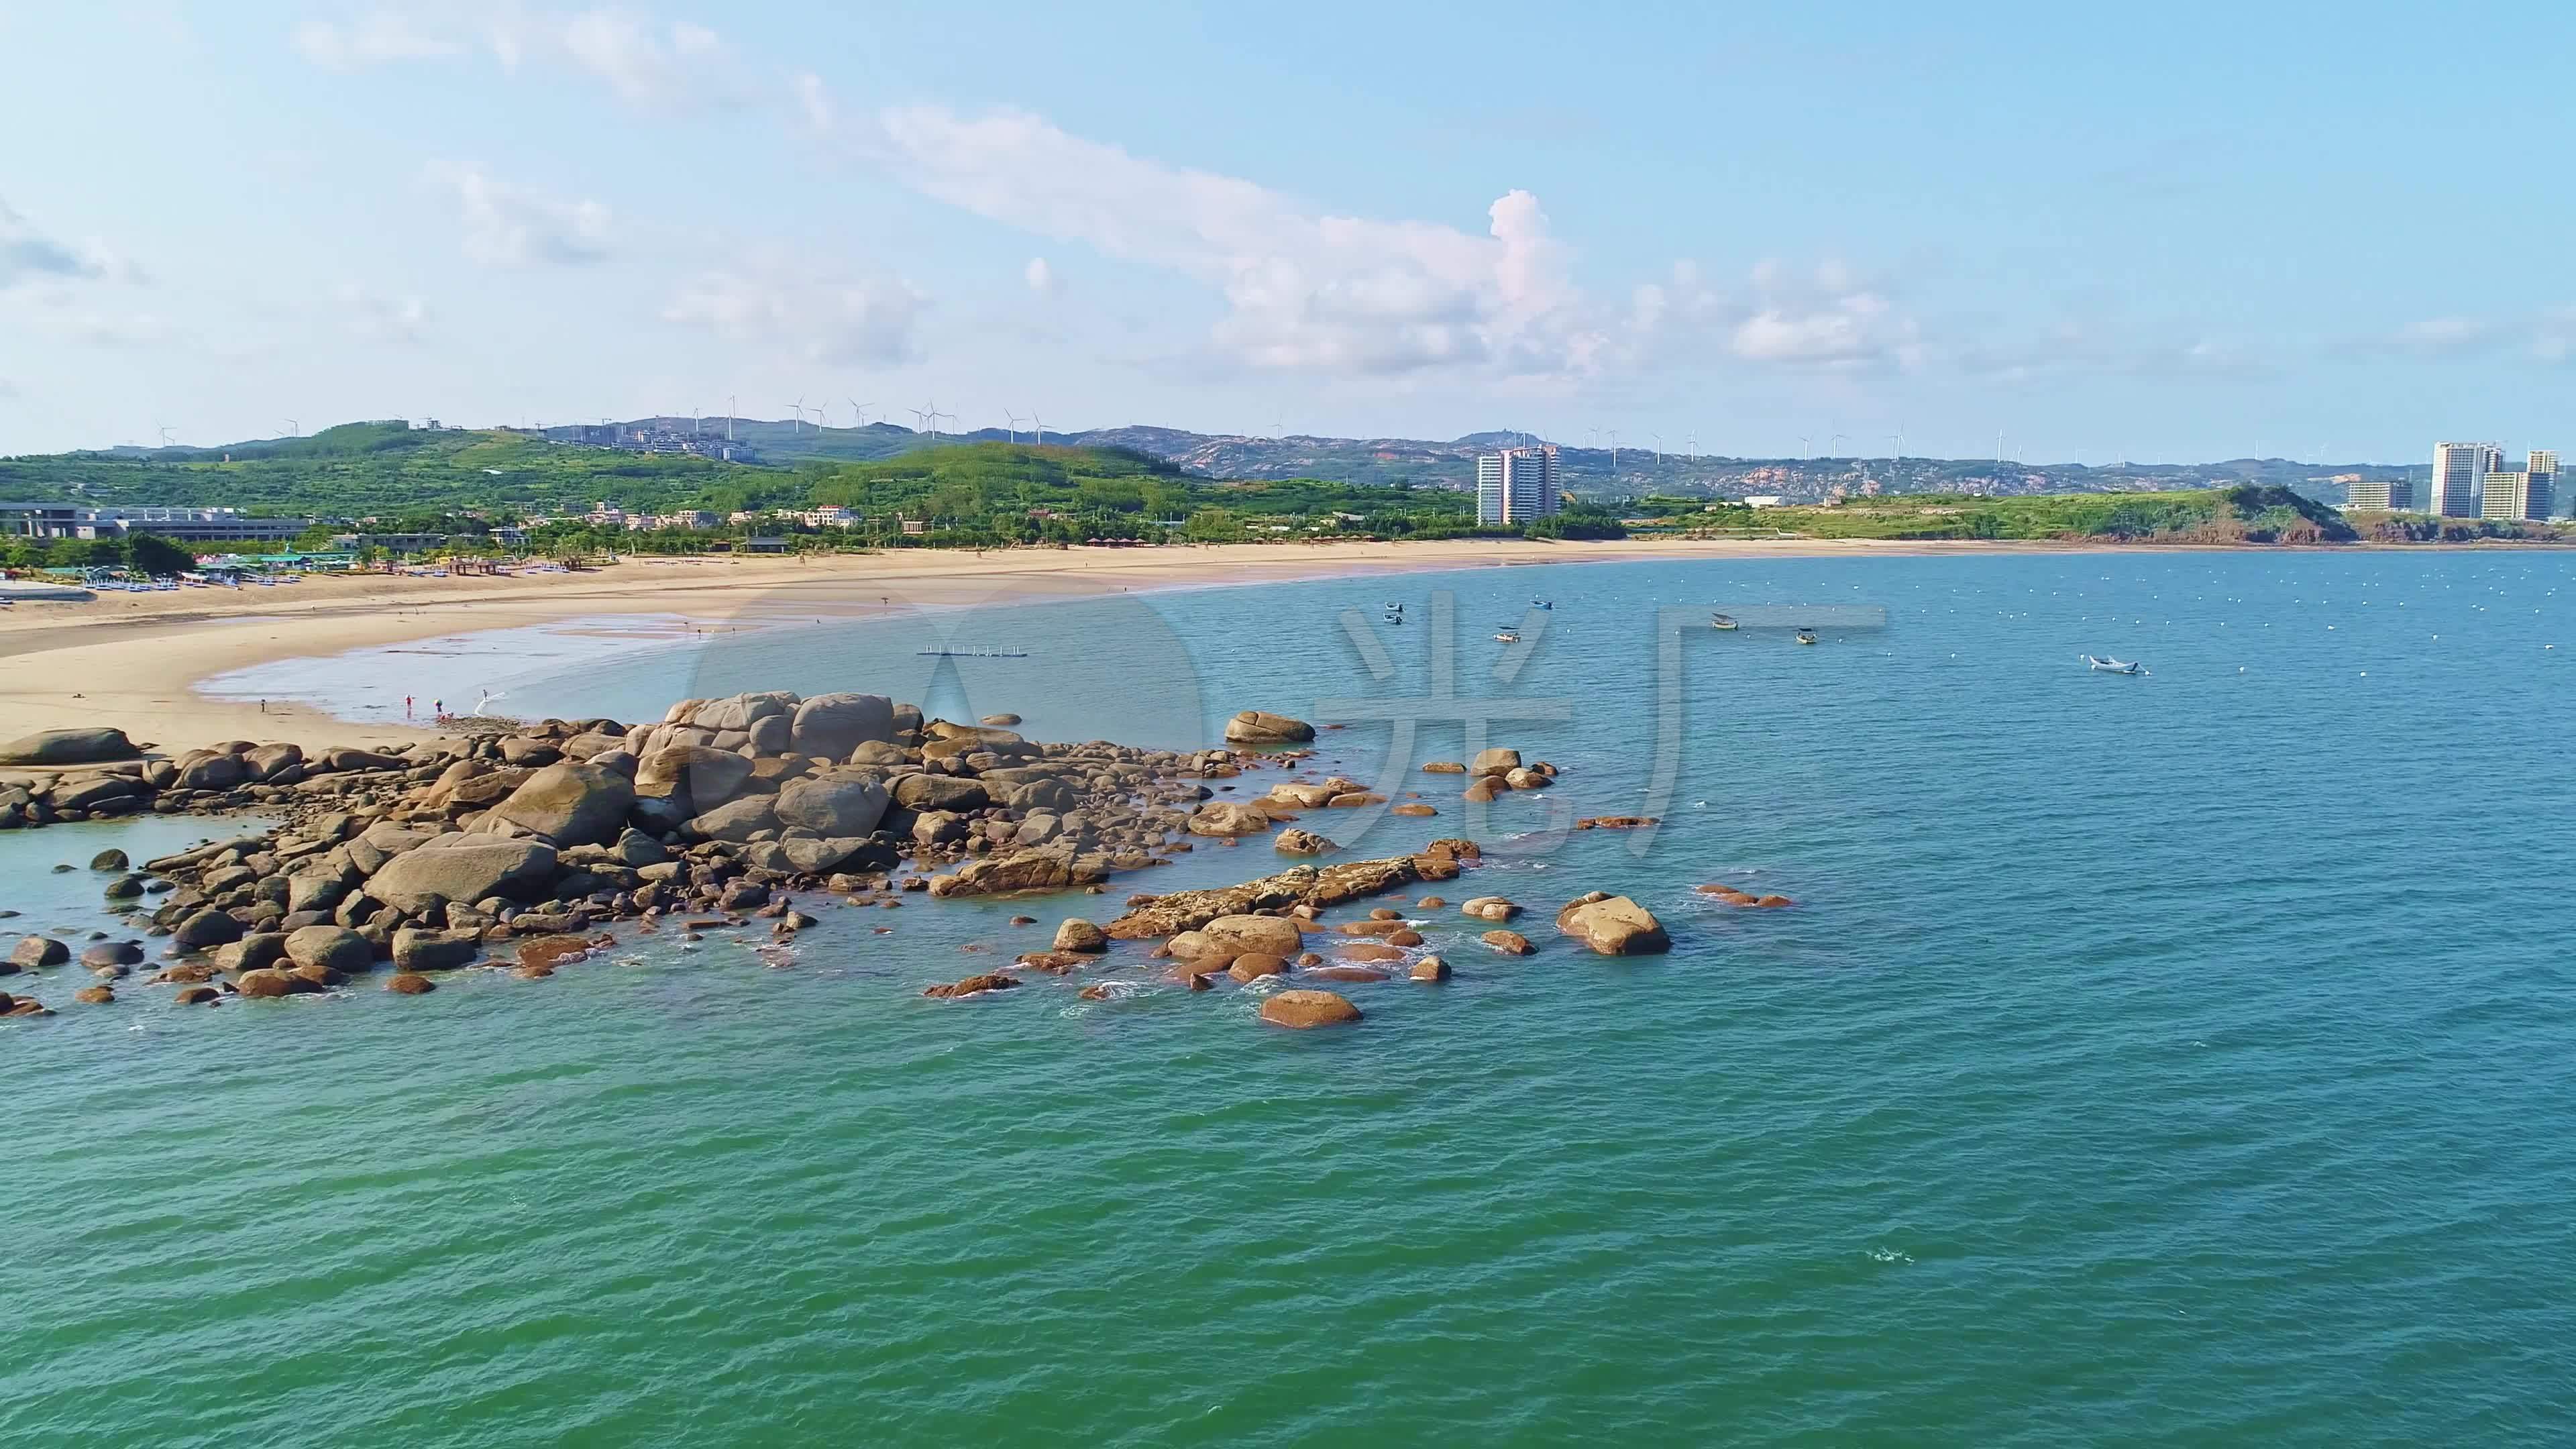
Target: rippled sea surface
(2178, 1060)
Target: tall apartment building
(2542, 465)
(2459, 472)
(2520, 493)
(2379, 495)
(1515, 485)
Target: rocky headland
(527, 848)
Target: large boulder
(926, 792)
(206, 928)
(1613, 925)
(739, 712)
(833, 725)
(68, 747)
(1042, 868)
(417, 950)
(1496, 761)
(210, 770)
(701, 774)
(468, 868)
(332, 948)
(1300, 1010)
(1253, 936)
(34, 952)
(833, 805)
(267, 762)
(739, 821)
(1257, 727)
(97, 790)
(1077, 934)
(1227, 818)
(570, 804)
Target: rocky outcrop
(1258, 727)
(1298, 885)
(1253, 935)
(1613, 925)
(1510, 943)
(1496, 761)
(738, 821)
(416, 950)
(927, 792)
(1430, 968)
(1489, 908)
(1617, 822)
(1077, 934)
(81, 746)
(974, 985)
(406, 983)
(1304, 1010)
(699, 776)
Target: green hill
(2250, 513)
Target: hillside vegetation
(2253, 513)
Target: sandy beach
(136, 660)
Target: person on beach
(406, 706)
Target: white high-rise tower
(2459, 477)
(1515, 485)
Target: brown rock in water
(94, 995)
(1301, 1010)
(1229, 818)
(1617, 822)
(537, 972)
(1077, 934)
(1489, 908)
(25, 1006)
(1496, 761)
(1510, 943)
(1526, 779)
(1773, 903)
(1053, 963)
(1444, 767)
(198, 996)
(1415, 810)
(1430, 968)
(1405, 937)
(1248, 969)
(35, 952)
(1369, 951)
(1432, 903)
(549, 952)
(1252, 935)
(1257, 727)
(1199, 980)
(989, 981)
(409, 983)
(329, 948)
(1386, 913)
(1613, 925)
(268, 981)
(1294, 841)
(1482, 792)
(1347, 973)
(1096, 991)
(1024, 920)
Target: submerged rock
(1303, 1010)
(1613, 925)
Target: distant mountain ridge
(1415, 462)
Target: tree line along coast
(375, 491)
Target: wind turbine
(1836, 438)
(733, 405)
(1659, 445)
(1694, 445)
(1039, 429)
(858, 413)
(1614, 452)
(164, 430)
(1015, 423)
(930, 417)
(799, 405)
(1806, 447)
(1897, 438)
(294, 429)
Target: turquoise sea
(2168, 1061)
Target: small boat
(1548, 604)
(1507, 636)
(1723, 621)
(2108, 665)
(1395, 618)
(1806, 636)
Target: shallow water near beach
(2173, 1060)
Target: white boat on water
(2108, 665)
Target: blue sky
(2322, 232)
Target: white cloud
(30, 255)
(513, 226)
(373, 38)
(864, 320)
(1042, 278)
(1824, 318)
(380, 318)
(672, 65)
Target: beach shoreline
(140, 660)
